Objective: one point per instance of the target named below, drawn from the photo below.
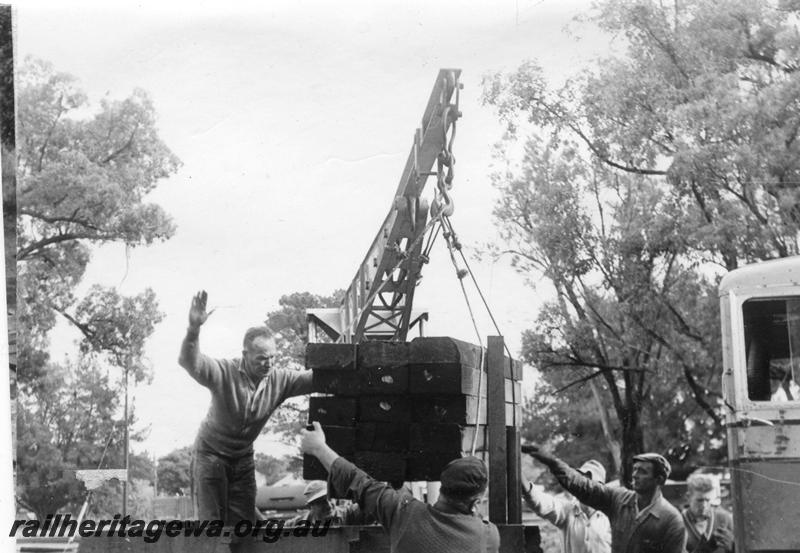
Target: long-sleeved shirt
(581, 533)
(413, 526)
(240, 407)
(657, 528)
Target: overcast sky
(293, 120)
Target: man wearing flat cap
(583, 529)
(449, 526)
(642, 521)
(321, 508)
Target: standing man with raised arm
(642, 521)
(583, 529)
(244, 393)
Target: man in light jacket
(583, 529)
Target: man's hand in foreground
(312, 439)
(540, 455)
(312, 442)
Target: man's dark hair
(256, 332)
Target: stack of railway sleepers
(402, 410)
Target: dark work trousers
(225, 487)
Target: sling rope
(454, 244)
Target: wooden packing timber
(382, 437)
(382, 354)
(446, 379)
(329, 410)
(410, 408)
(401, 380)
(385, 379)
(313, 469)
(335, 381)
(449, 439)
(385, 408)
(445, 351)
(331, 356)
(458, 409)
(441, 352)
(388, 466)
(342, 439)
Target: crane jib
(378, 303)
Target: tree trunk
(611, 442)
(632, 441)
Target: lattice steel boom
(378, 303)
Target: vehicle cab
(760, 318)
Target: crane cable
(442, 207)
(449, 225)
(454, 244)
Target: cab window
(772, 347)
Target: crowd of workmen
(592, 516)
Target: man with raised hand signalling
(449, 526)
(244, 393)
(583, 529)
(642, 521)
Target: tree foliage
(69, 420)
(704, 97)
(7, 80)
(83, 181)
(569, 421)
(83, 177)
(289, 321)
(109, 329)
(174, 472)
(645, 172)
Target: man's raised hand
(312, 439)
(197, 311)
(537, 453)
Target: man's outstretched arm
(550, 508)
(375, 499)
(585, 489)
(190, 358)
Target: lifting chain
(442, 204)
(446, 160)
